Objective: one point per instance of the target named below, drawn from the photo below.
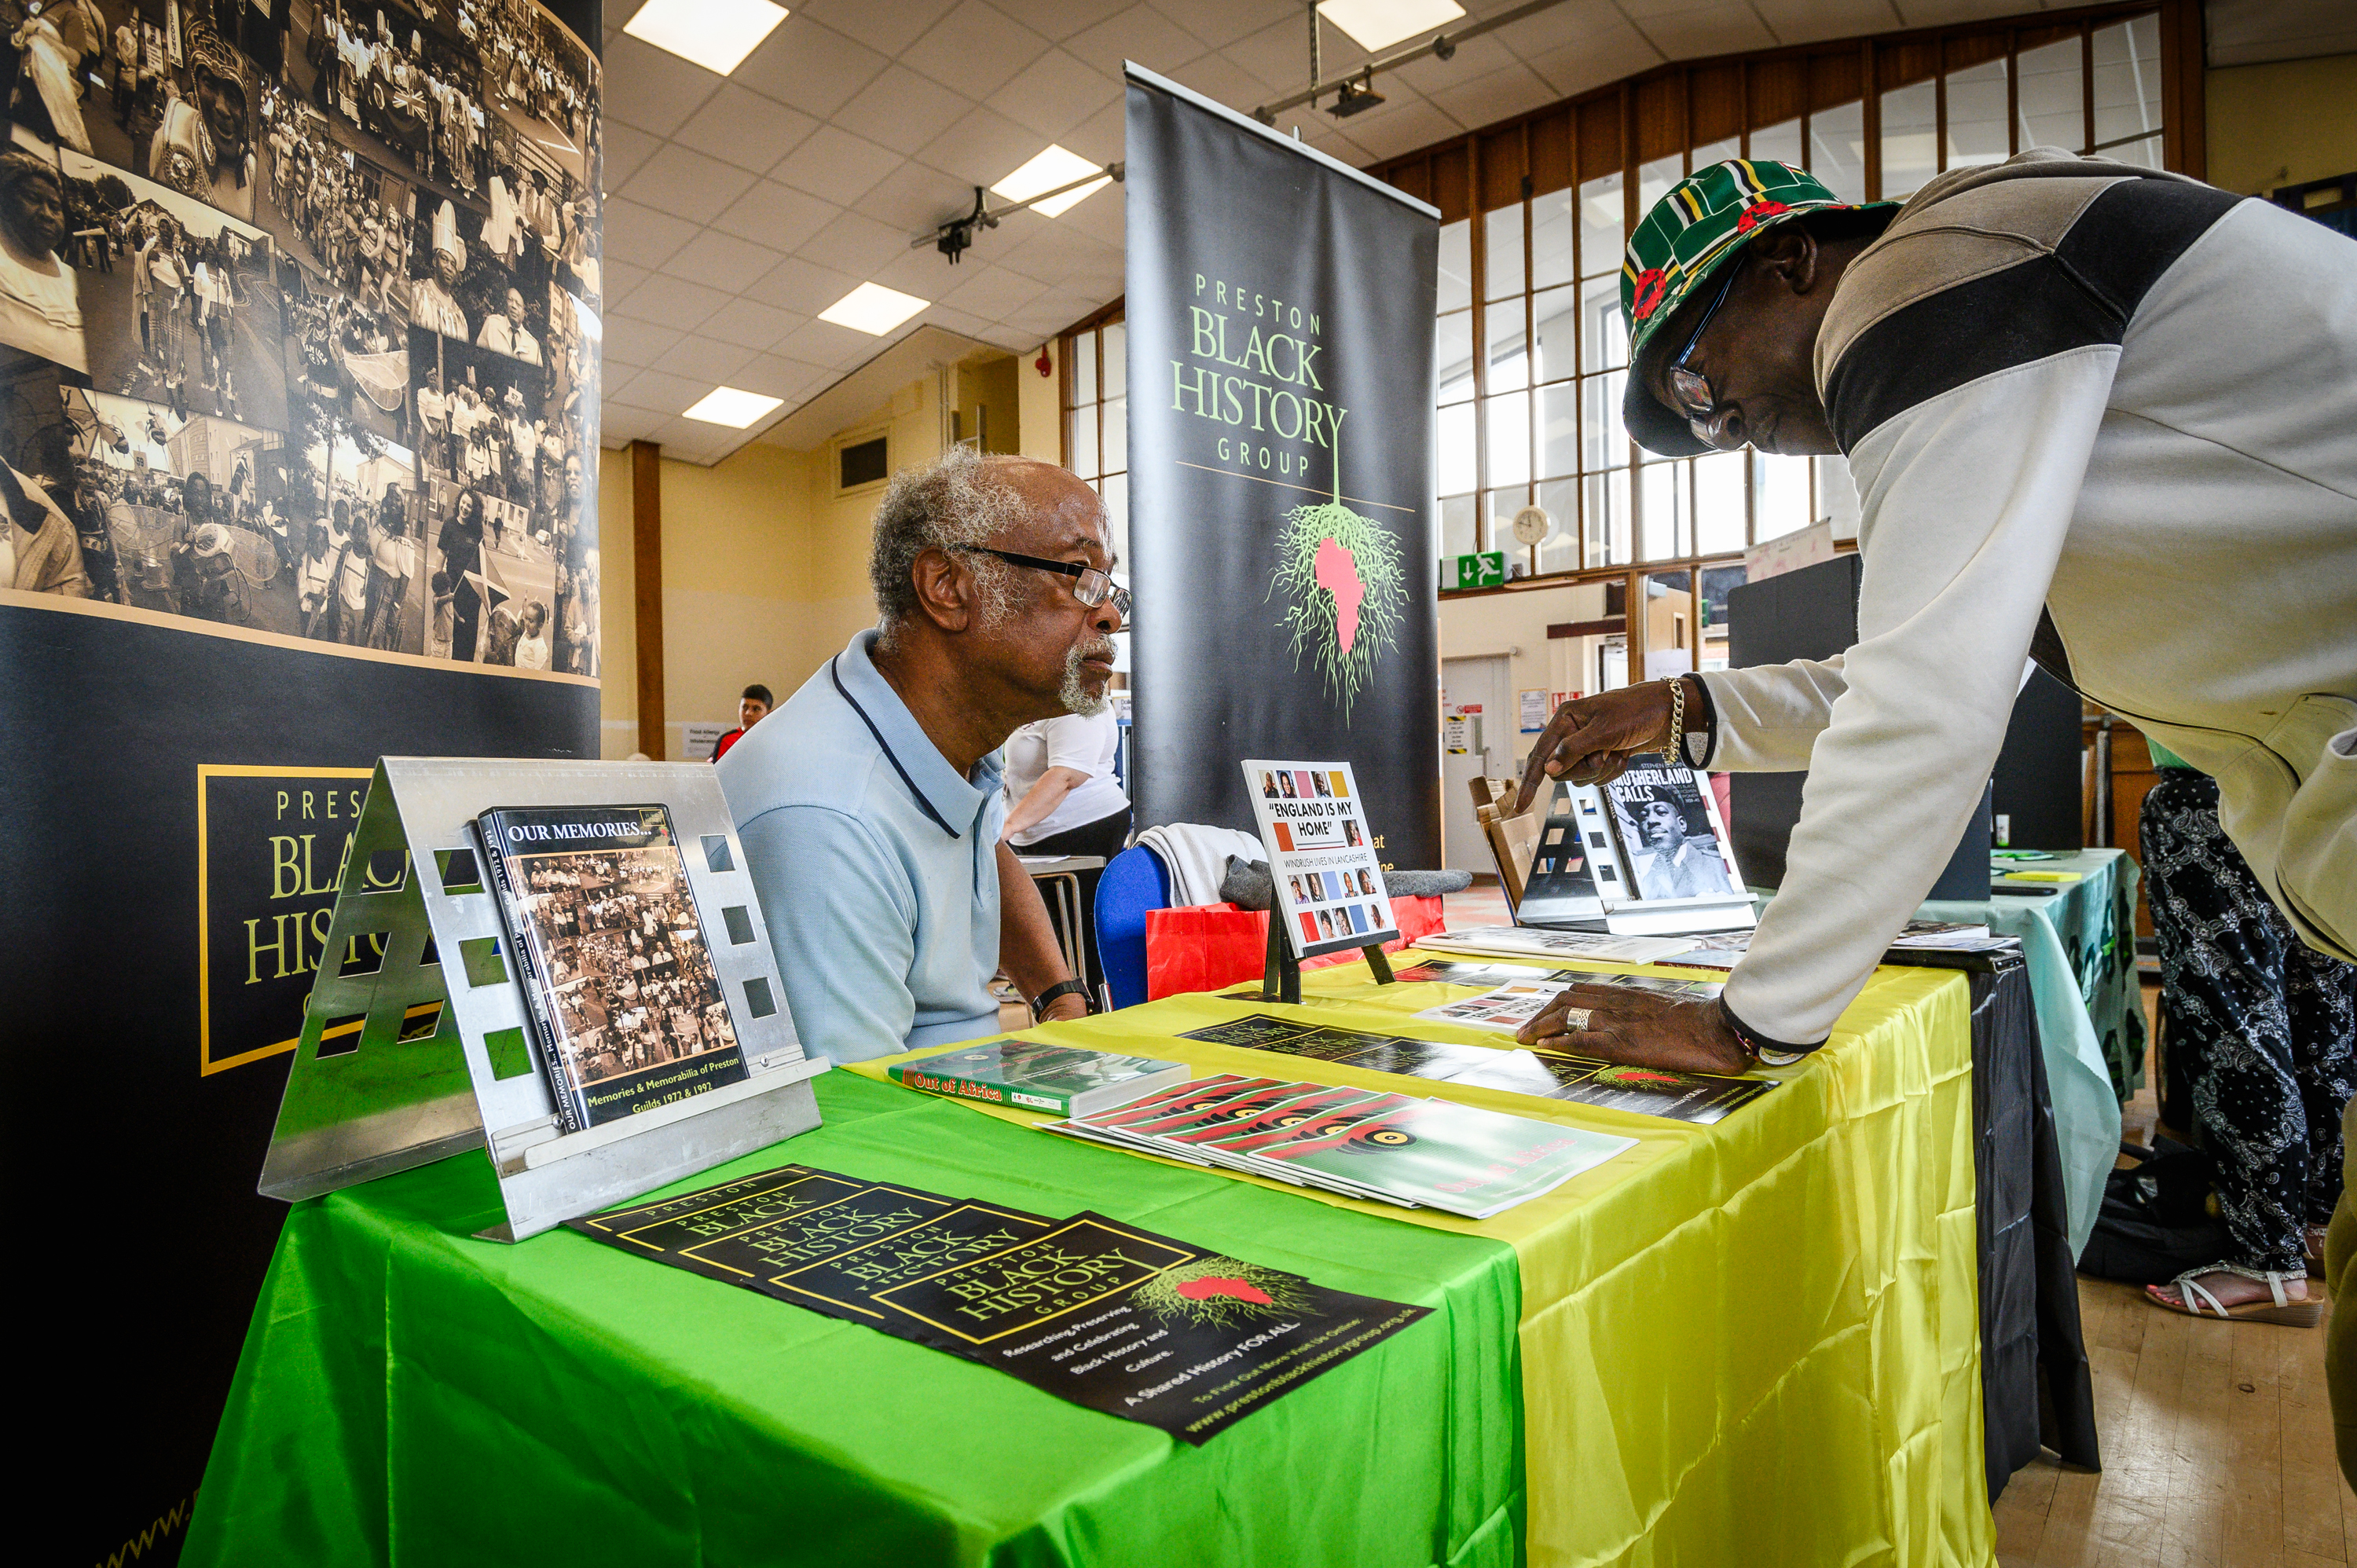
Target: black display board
(1281, 514)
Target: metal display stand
(424, 1051)
(1281, 981)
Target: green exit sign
(1486, 570)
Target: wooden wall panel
(1551, 151)
(1835, 79)
(1715, 99)
(1779, 90)
(1452, 187)
(1903, 65)
(1599, 135)
(1661, 117)
(1501, 167)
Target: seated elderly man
(869, 805)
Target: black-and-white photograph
(346, 218)
(346, 357)
(51, 541)
(479, 282)
(1666, 832)
(42, 306)
(634, 982)
(179, 300)
(502, 594)
(360, 576)
(194, 511)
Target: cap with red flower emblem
(1699, 226)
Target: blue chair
(1133, 882)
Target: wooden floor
(2217, 1444)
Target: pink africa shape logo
(1345, 586)
(1338, 574)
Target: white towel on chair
(1197, 857)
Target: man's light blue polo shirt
(876, 864)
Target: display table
(1754, 1341)
(2080, 947)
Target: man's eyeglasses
(1689, 389)
(1090, 586)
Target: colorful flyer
(1329, 891)
(1449, 1157)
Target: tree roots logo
(1220, 1293)
(1348, 592)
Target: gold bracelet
(1677, 748)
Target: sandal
(2195, 1300)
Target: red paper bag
(1211, 947)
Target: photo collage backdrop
(299, 319)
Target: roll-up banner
(1282, 525)
(299, 314)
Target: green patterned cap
(1704, 221)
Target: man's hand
(1591, 739)
(1638, 1028)
(1072, 1005)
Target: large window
(1096, 418)
(1530, 353)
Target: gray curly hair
(951, 501)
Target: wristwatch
(1078, 988)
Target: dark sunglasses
(1090, 586)
(1690, 388)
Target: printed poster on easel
(1330, 892)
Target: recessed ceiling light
(716, 34)
(873, 308)
(1051, 169)
(734, 409)
(1379, 24)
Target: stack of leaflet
(1534, 941)
(1389, 1148)
(1926, 942)
(1510, 1006)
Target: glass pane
(1554, 311)
(1670, 631)
(1456, 266)
(1910, 139)
(1781, 494)
(2127, 90)
(1452, 357)
(1604, 443)
(1510, 439)
(1601, 230)
(1084, 373)
(1837, 495)
(1715, 153)
(1080, 440)
(1667, 514)
(1454, 432)
(1655, 180)
(1559, 429)
(1503, 505)
(1115, 490)
(1550, 225)
(1456, 526)
(1505, 260)
(1116, 363)
(1976, 132)
(1837, 150)
(1716, 582)
(1116, 435)
(2052, 114)
(1605, 498)
(1780, 142)
(1604, 337)
(1559, 551)
(1509, 365)
(1718, 503)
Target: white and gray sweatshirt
(2107, 418)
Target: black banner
(1282, 521)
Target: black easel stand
(1281, 981)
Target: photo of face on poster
(501, 594)
(41, 308)
(180, 302)
(345, 358)
(361, 577)
(1666, 834)
(186, 515)
(346, 219)
(491, 292)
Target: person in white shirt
(1064, 800)
(508, 334)
(40, 300)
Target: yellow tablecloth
(1754, 1343)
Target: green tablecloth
(2080, 947)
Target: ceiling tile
(620, 277)
(652, 89)
(1142, 33)
(1474, 58)
(902, 110)
(625, 149)
(801, 287)
(721, 260)
(1054, 93)
(751, 323)
(746, 129)
(687, 184)
(672, 302)
(1061, 18)
(1278, 55)
(836, 165)
(925, 273)
(1101, 217)
(888, 28)
(696, 357)
(1221, 80)
(1056, 257)
(913, 199)
(774, 375)
(982, 148)
(1495, 96)
(619, 425)
(1220, 23)
(642, 236)
(993, 291)
(807, 67)
(1693, 32)
(776, 215)
(834, 347)
(1614, 50)
(1404, 130)
(975, 49)
(667, 392)
(854, 245)
(630, 345)
(1101, 137)
(1805, 21)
